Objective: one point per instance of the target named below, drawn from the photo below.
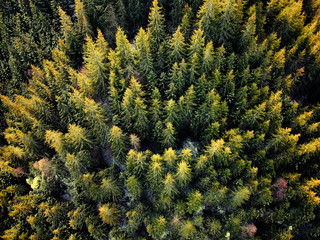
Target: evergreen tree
(168, 136)
(118, 142)
(208, 15)
(177, 46)
(144, 59)
(124, 52)
(95, 63)
(140, 117)
(156, 27)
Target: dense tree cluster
(194, 127)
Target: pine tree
(177, 80)
(197, 43)
(289, 18)
(208, 59)
(109, 213)
(95, 64)
(110, 189)
(155, 174)
(186, 22)
(229, 21)
(158, 227)
(124, 52)
(156, 27)
(220, 58)
(176, 13)
(77, 137)
(177, 46)
(135, 187)
(96, 117)
(249, 31)
(194, 202)
(56, 140)
(187, 105)
(127, 107)
(72, 36)
(118, 142)
(187, 230)
(156, 106)
(168, 136)
(183, 174)
(81, 16)
(140, 117)
(144, 58)
(169, 188)
(208, 15)
(170, 111)
(169, 156)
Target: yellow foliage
(31, 220)
(76, 136)
(183, 174)
(313, 127)
(156, 158)
(186, 154)
(109, 214)
(169, 156)
(311, 147)
(201, 162)
(169, 185)
(304, 118)
(55, 139)
(23, 207)
(11, 136)
(215, 148)
(311, 195)
(10, 153)
(10, 234)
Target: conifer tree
(82, 19)
(197, 43)
(231, 16)
(168, 136)
(183, 174)
(169, 188)
(186, 22)
(156, 26)
(109, 214)
(95, 63)
(77, 137)
(177, 46)
(118, 142)
(249, 31)
(156, 106)
(208, 15)
(208, 58)
(144, 59)
(140, 117)
(177, 81)
(170, 111)
(169, 156)
(135, 187)
(176, 13)
(124, 52)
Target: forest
(146, 120)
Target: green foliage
(194, 202)
(158, 228)
(178, 124)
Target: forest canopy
(159, 119)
